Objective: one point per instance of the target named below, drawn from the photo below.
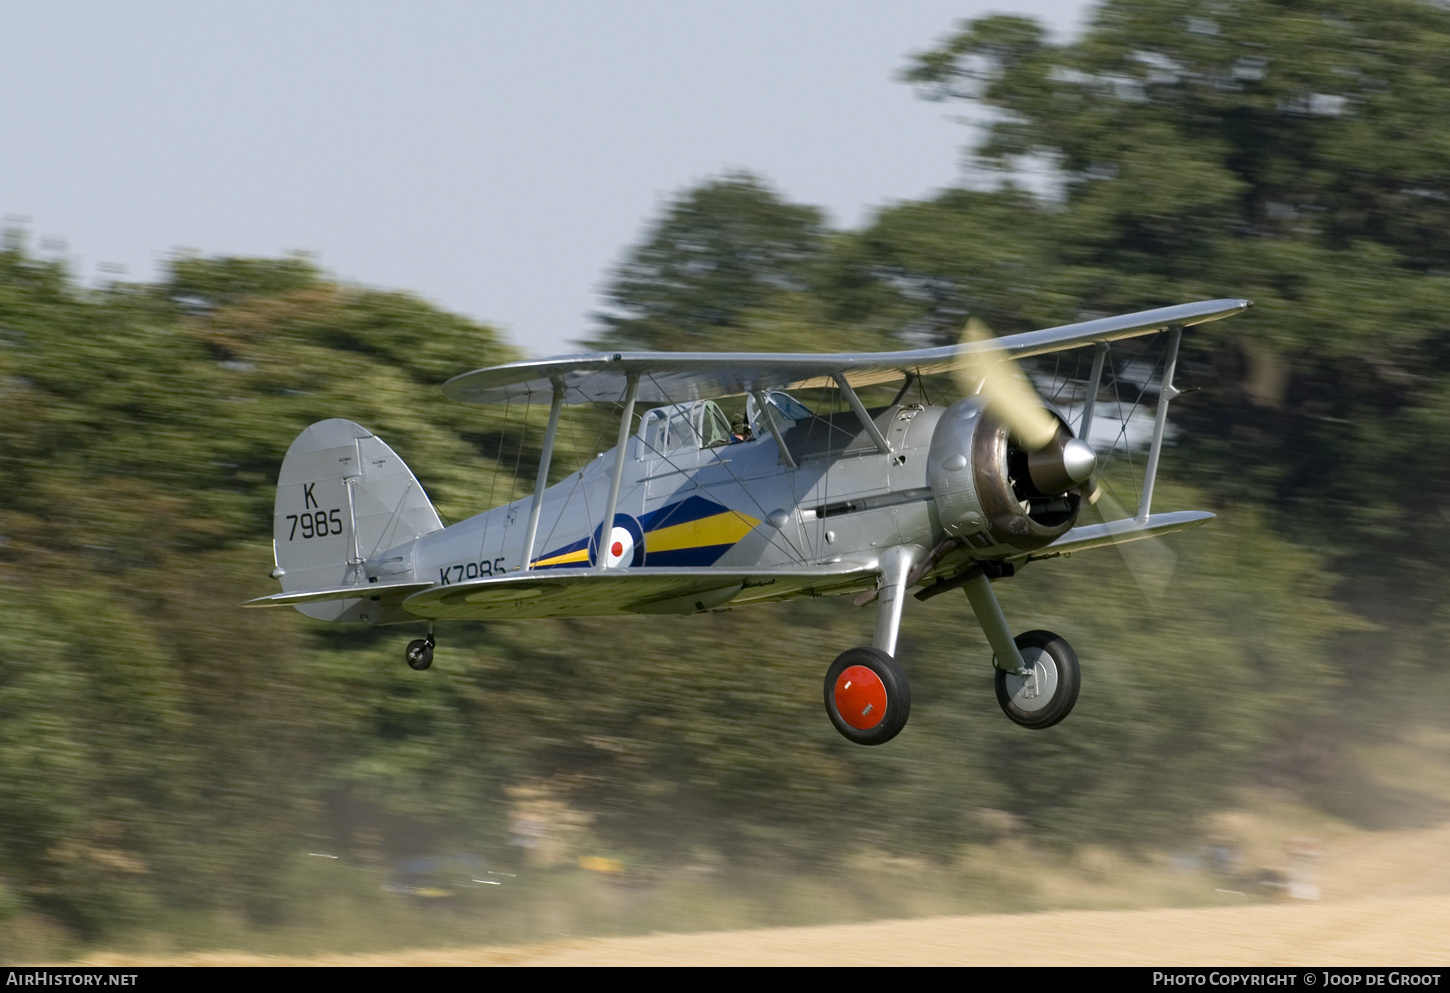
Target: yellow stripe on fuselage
(719, 529)
(582, 555)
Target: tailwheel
(1047, 691)
(420, 653)
(867, 696)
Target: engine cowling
(990, 491)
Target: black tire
(1054, 662)
(419, 654)
(878, 715)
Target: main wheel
(1047, 694)
(867, 696)
(419, 654)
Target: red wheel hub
(860, 697)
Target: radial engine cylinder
(991, 492)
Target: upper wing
(671, 377)
(645, 590)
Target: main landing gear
(419, 654)
(1045, 690)
(868, 697)
(1037, 673)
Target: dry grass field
(1385, 901)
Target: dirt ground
(1385, 901)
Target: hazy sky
(495, 158)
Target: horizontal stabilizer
(388, 593)
(1122, 531)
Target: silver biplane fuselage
(692, 501)
(681, 517)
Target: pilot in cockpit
(740, 428)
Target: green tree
(721, 249)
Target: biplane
(687, 514)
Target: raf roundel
(625, 546)
(621, 546)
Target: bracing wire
(1122, 435)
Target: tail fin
(343, 498)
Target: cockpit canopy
(684, 426)
(784, 409)
(700, 424)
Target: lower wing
(1121, 532)
(588, 592)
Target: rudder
(343, 498)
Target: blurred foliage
(162, 753)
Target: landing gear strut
(1037, 673)
(420, 652)
(867, 695)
